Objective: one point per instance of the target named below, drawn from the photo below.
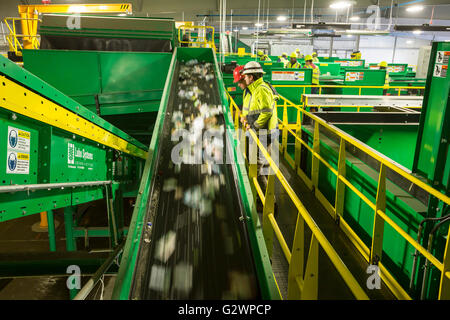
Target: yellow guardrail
(198, 40)
(374, 254)
(302, 281)
(300, 86)
(13, 37)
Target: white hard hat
(252, 67)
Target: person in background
(262, 56)
(284, 59)
(383, 66)
(315, 58)
(299, 55)
(315, 76)
(293, 63)
(356, 55)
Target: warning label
(349, 63)
(395, 69)
(231, 89)
(18, 163)
(288, 75)
(440, 71)
(442, 57)
(18, 153)
(354, 76)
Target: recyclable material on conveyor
(197, 246)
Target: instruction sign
(354, 76)
(18, 151)
(288, 75)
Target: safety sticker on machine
(442, 57)
(354, 76)
(288, 75)
(18, 154)
(79, 158)
(440, 70)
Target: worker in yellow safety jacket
(299, 55)
(315, 73)
(356, 55)
(293, 63)
(284, 59)
(314, 56)
(262, 56)
(262, 114)
(383, 66)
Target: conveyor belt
(197, 245)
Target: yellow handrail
(384, 162)
(13, 36)
(205, 42)
(346, 275)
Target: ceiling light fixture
(244, 28)
(409, 41)
(258, 24)
(354, 18)
(417, 31)
(281, 18)
(414, 8)
(340, 5)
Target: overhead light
(409, 41)
(281, 18)
(354, 18)
(414, 8)
(258, 24)
(244, 28)
(340, 5)
(417, 31)
(349, 36)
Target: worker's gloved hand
(243, 119)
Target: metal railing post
(315, 160)
(284, 134)
(269, 207)
(340, 185)
(298, 145)
(444, 288)
(296, 267)
(378, 221)
(310, 283)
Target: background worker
(356, 55)
(293, 63)
(299, 55)
(284, 59)
(315, 58)
(262, 56)
(315, 76)
(383, 66)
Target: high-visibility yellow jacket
(284, 61)
(246, 98)
(296, 65)
(261, 102)
(386, 80)
(315, 73)
(315, 59)
(265, 58)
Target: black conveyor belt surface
(197, 246)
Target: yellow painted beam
(77, 8)
(20, 100)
